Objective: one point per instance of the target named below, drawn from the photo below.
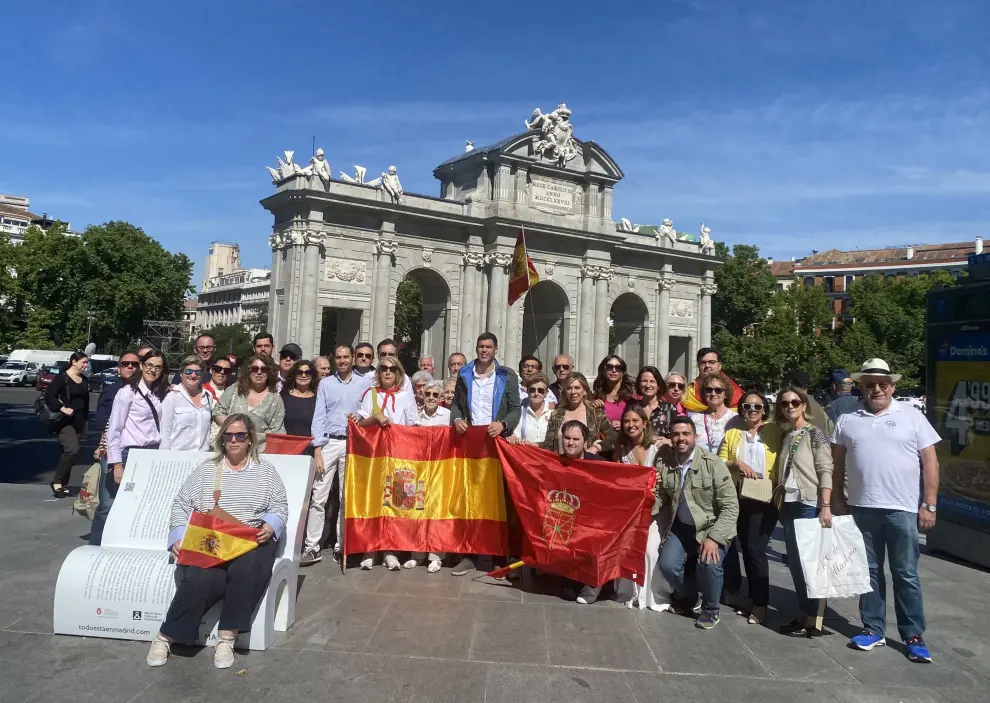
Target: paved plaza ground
(377, 636)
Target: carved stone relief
(683, 309)
(347, 271)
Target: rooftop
(7, 209)
(892, 255)
(782, 269)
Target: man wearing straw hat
(884, 451)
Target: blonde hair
(220, 451)
(400, 373)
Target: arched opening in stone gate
(545, 322)
(629, 318)
(422, 304)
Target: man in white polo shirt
(883, 451)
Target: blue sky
(794, 125)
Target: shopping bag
(833, 559)
(89, 492)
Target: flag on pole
(209, 541)
(423, 489)
(522, 275)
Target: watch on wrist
(930, 507)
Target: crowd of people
(730, 464)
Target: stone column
(498, 293)
(385, 249)
(601, 315)
(511, 348)
(707, 291)
(309, 296)
(586, 322)
(471, 284)
(663, 325)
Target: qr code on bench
(129, 486)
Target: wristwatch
(930, 507)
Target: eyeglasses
(192, 372)
(220, 369)
(153, 367)
(613, 367)
(234, 436)
(387, 369)
(287, 355)
(365, 356)
(304, 372)
(561, 367)
(749, 407)
(882, 385)
(259, 369)
(203, 347)
(537, 391)
(678, 386)
(128, 364)
(793, 402)
(431, 394)
(712, 389)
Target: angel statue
(707, 244)
(666, 232)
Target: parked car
(48, 373)
(100, 373)
(18, 373)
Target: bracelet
(824, 505)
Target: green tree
(408, 322)
(745, 289)
(10, 305)
(257, 319)
(232, 339)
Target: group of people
(730, 465)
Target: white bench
(123, 588)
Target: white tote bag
(833, 559)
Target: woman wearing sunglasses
(433, 414)
(535, 416)
(384, 404)
(299, 399)
(804, 475)
(187, 411)
(750, 452)
(254, 395)
(221, 373)
(613, 388)
(651, 388)
(250, 491)
(710, 425)
(135, 420)
(675, 387)
(577, 405)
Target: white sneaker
(391, 562)
(223, 657)
(367, 563)
(411, 564)
(433, 567)
(160, 648)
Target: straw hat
(876, 367)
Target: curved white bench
(122, 589)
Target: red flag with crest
(522, 275)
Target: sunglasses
(290, 357)
(882, 385)
(129, 364)
(678, 386)
(752, 406)
(259, 369)
(365, 356)
(431, 394)
(561, 367)
(614, 367)
(234, 436)
(711, 389)
(192, 372)
(220, 369)
(793, 402)
(153, 367)
(304, 372)
(387, 369)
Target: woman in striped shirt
(252, 492)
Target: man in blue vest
(487, 394)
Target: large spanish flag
(209, 541)
(423, 489)
(522, 274)
(694, 400)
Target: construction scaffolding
(167, 337)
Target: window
(809, 281)
(829, 284)
(849, 281)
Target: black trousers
(68, 438)
(754, 527)
(241, 584)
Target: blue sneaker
(707, 620)
(866, 641)
(918, 650)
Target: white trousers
(334, 461)
(654, 594)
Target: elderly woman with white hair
(432, 413)
(419, 381)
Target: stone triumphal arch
(341, 246)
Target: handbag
(45, 415)
(758, 489)
(780, 491)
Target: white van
(39, 356)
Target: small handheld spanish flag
(210, 541)
(522, 275)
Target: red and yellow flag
(209, 541)
(286, 444)
(694, 400)
(587, 520)
(522, 275)
(423, 489)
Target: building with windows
(836, 270)
(189, 306)
(16, 217)
(232, 298)
(223, 258)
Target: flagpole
(529, 290)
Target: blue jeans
(811, 608)
(103, 509)
(892, 533)
(685, 573)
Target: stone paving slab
(378, 636)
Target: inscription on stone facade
(347, 270)
(554, 196)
